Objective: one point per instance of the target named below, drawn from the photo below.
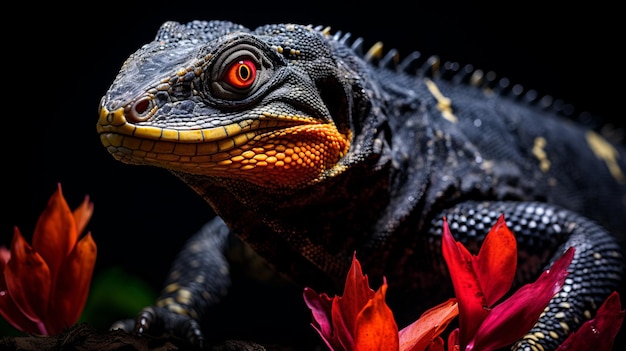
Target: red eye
(241, 74)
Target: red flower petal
(342, 335)
(27, 279)
(356, 294)
(454, 343)
(69, 297)
(480, 281)
(419, 334)
(472, 302)
(55, 233)
(512, 318)
(375, 328)
(599, 333)
(344, 311)
(436, 345)
(320, 306)
(496, 262)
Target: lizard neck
(325, 223)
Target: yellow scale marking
(540, 153)
(607, 153)
(444, 104)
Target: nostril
(141, 109)
(141, 106)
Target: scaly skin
(309, 150)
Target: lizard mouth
(294, 148)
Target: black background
(60, 60)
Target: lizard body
(309, 149)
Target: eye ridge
(241, 73)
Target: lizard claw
(159, 320)
(143, 321)
(125, 325)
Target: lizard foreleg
(198, 278)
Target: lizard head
(271, 107)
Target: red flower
(599, 333)
(43, 288)
(360, 320)
(480, 281)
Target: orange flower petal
(70, 295)
(15, 317)
(496, 262)
(419, 334)
(55, 233)
(82, 215)
(8, 308)
(5, 255)
(375, 328)
(27, 278)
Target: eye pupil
(244, 71)
(241, 74)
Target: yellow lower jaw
(285, 158)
